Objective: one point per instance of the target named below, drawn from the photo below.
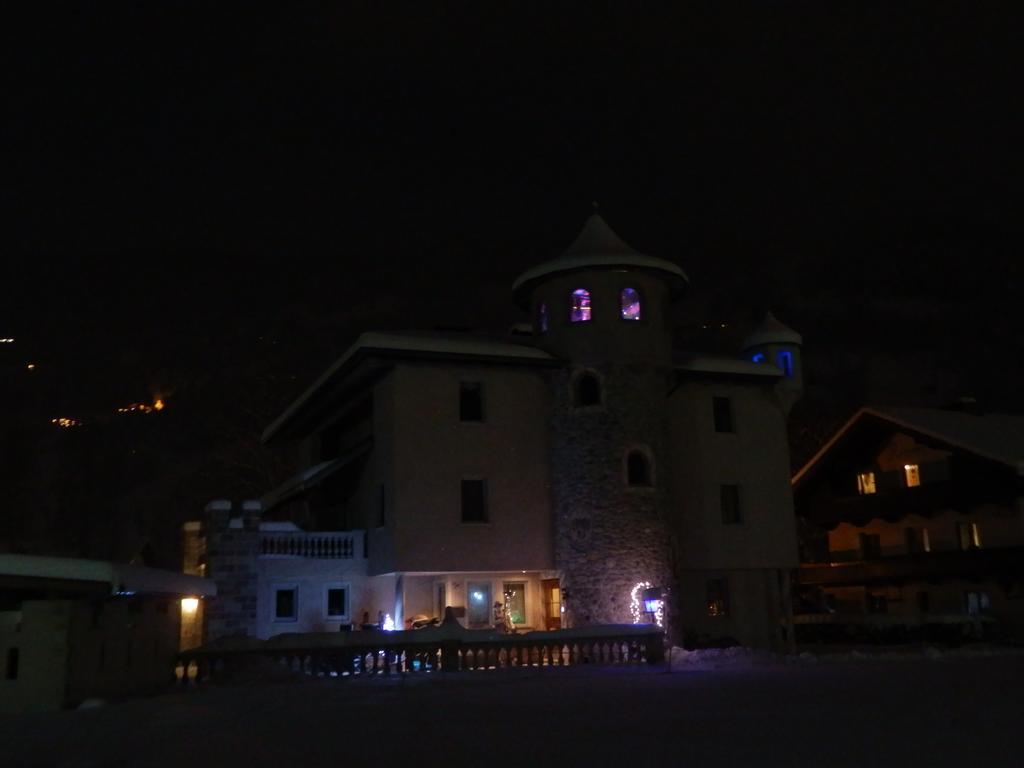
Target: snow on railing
(329, 546)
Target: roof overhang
(78, 575)
(312, 477)
(341, 378)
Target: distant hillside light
(158, 404)
(6, 341)
(30, 367)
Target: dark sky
(181, 177)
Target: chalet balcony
(973, 564)
(321, 545)
(892, 505)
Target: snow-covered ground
(718, 708)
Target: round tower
(779, 345)
(604, 309)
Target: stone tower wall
(608, 535)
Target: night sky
(208, 204)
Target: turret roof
(771, 331)
(597, 245)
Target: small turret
(779, 345)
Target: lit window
(515, 601)
(580, 309)
(471, 401)
(638, 469)
(866, 483)
(784, 359)
(968, 535)
(588, 390)
(912, 474)
(977, 603)
(286, 604)
(630, 304)
(729, 500)
(718, 597)
(336, 602)
(926, 541)
(758, 357)
(474, 501)
(542, 317)
(479, 611)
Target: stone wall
(231, 561)
(608, 535)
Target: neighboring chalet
(914, 518)
(557, 476)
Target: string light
(634, 604)
(66, 422)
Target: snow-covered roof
(726, 365)
(121, 578)
(597, 245)
(312, 476)
(418, 344)
(771, 331)
(997, 437)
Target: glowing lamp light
(389, 623)
(478, 596)
(158, 404)
(189, 605)
(31, 366)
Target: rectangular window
(924, 602)
(337, 602)
(382, 511)
(474, 501)
(968, 535)
(877, 603)
(926, 540)
(286, 604)
(870, 546)
(976, 603)
(723, 414)
(12, 664)
(515, 601)
(912, 474)
(866, 483)
(729, 500)
(718, 597)
(471, 401)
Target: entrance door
(551, 597)
(478, 597)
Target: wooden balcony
(974, 564)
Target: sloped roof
(771, 331)
(118, 577)
(997, 437)
(725, 365)
(597, 245)
(416, 344)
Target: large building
(913, 520)
(559, 473)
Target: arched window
(542, 317)
(638, 469)
(588, 390)
(630, 300)
(784, 359)
(579, 311)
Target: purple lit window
(542, 317)
(580, 311)
(630, 304)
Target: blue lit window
(630, 298)
(784, 359)
(579, 311)
(758, 357)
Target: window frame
(292, 587)
(720, 608)
(589, 307)
(716, 400)
(484, 500)
(466, 387)
(739, 517)
(648, 468)
(334, 585)
(642, 316)
(575, 384)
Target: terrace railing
(447, 648)
(327, 545)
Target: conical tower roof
(771, 331)
(597, 246)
